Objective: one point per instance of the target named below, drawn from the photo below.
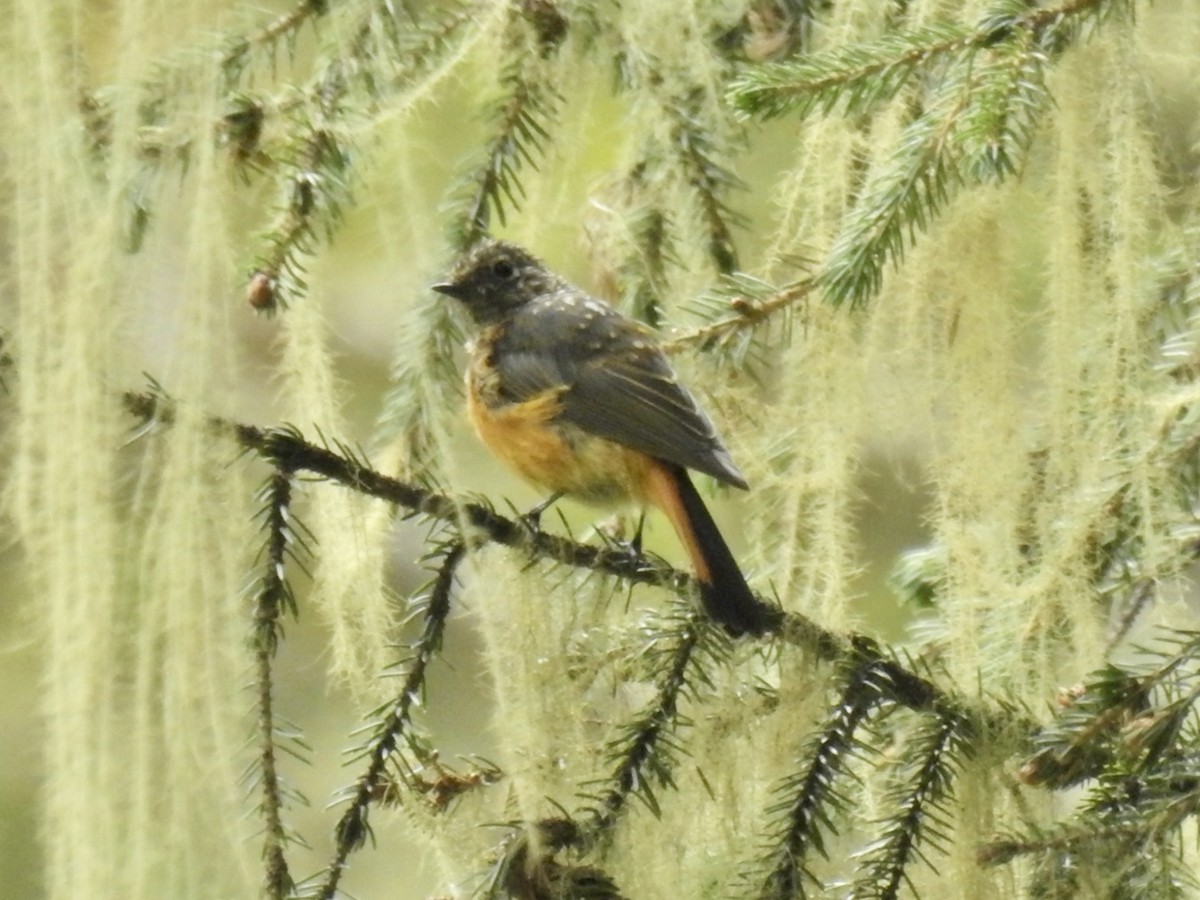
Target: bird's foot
(533, 519)
(613, 532)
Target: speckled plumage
(613, 379)
(581, 400)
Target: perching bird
(581, 400)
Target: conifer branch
(846, 80)
(977, 124)
(852, 79)
(317, 161)
(1080, 742)
(1134, 853)
(645, 245)
(423, 378)
(694, 152)
(693, 142)
(424, 371)
(910, 189)
(809, 801)
(698, 154)
(521, 121)
(917, 806)
(1132, 732)
(897, 683)
(394, 750)
(274, 599)
(283, 27)
(317, 187)
(998, 126)
(751, 303)
(644, 275)
(1004, 850)
(645, 754)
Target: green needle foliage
(1130, 734)
(850, 79)
(978, 95)
(951, 247)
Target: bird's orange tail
(723, 589)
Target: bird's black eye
(503, 269)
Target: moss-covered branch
(286, 447)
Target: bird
(580, 400)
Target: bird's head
(495, 278)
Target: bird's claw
(633, 546)
(533, 519)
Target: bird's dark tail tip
(725, 595)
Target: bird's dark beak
(449, 288)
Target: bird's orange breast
(530, 438)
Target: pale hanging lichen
(943, 238)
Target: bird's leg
(533, 519)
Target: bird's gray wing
(618, 383)
(634, 399)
